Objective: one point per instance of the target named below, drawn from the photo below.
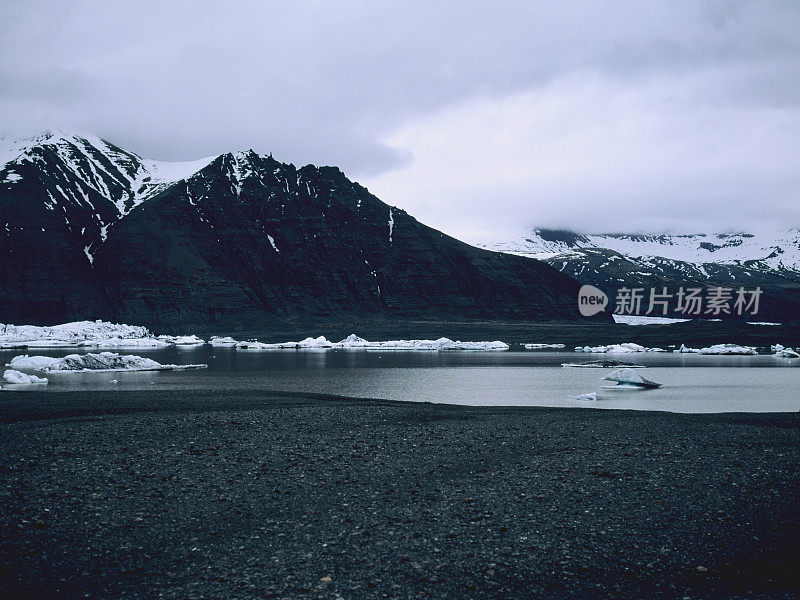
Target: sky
(480, 119)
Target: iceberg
(254, 345)
(627, 378)
(604, 364)
(34, 363)
(317, 342)
(182, 340)
(589, 396)
(783, 352)
(78, 334)
(222, 342)
(625, 348)
(543, 346)
(645, 320)
(102, 362)
(144, 343)
(19, 378)
(442, 344)
(727, 349)
(353, 342)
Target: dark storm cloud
(370, 86)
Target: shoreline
(47, 405)
(304, 496)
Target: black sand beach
(259, 495)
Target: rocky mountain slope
(613, 261)
(89, 230)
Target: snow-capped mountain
(612, 261)
(89, 230)
(743, 249)
(91, 182)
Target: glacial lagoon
(691, 383)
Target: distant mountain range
(614, 261)
(89, 230)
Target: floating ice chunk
(589, 396)
(624, 348)
(544, 346)
(442, 344)
(218, 342)
(603, 364)
(182, 340)
(123, 343)
(727, 349)
(644, 320)
(77, 335)
(685, 350)
(317, 342)
(448, 344)
(786, 353)
(629, 378)
(254, 345)
(70, 333)
(12, 376)
(34, 363)
(102, 362)
(627, 347)
(353, 341)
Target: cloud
(589, 154)
(359, 85)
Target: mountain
(613, 261)
(94, 231)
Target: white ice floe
(781, 351)
(17, 377)
(221, 342)
(353, 342)
(727, 349)
(317, 342)
(97, 334)
(644, 320)
(589, 396)
(628, 378)
(625, 348)
(442, 344)
(544, 346)
(182, 340)
(102, 362)
(78, 333)
(123, 343)
(603, 364)
(254, 345)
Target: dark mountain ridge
(92, 231)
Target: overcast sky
(479, 118)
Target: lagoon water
(692, 383)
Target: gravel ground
(165, 495)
